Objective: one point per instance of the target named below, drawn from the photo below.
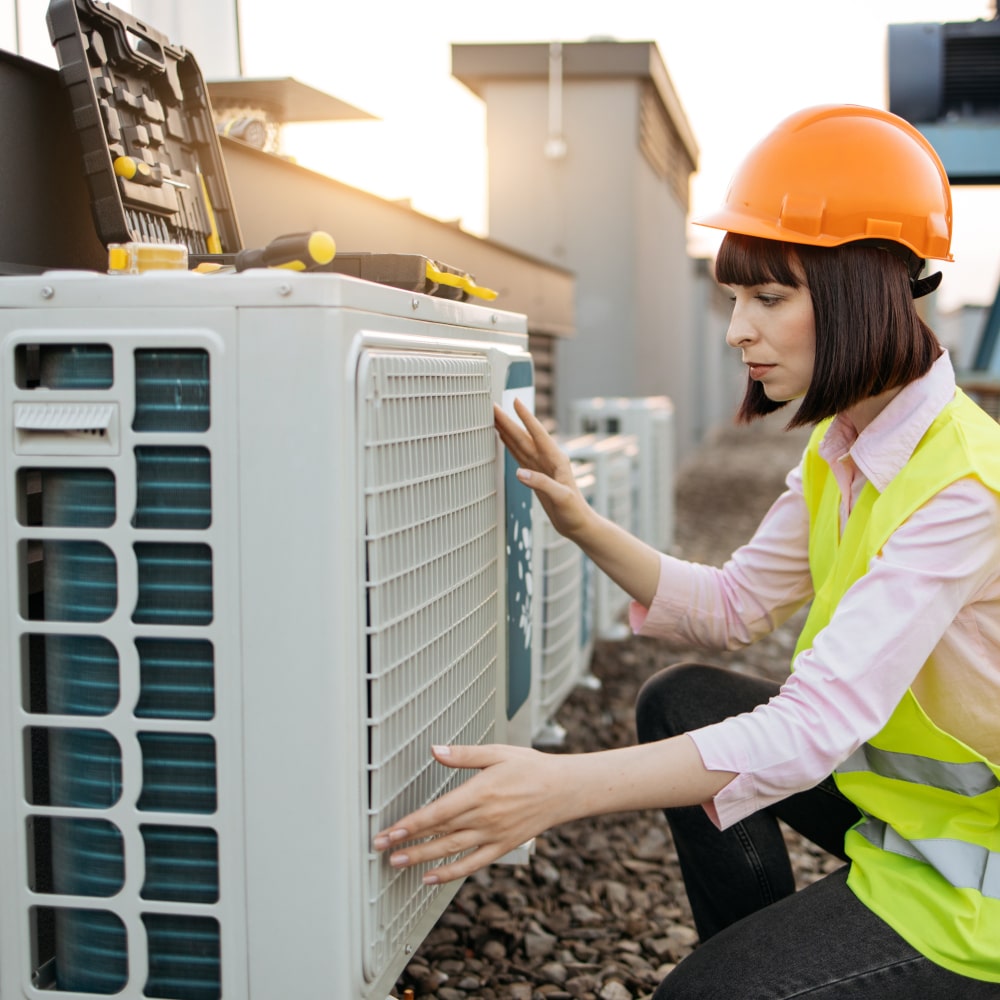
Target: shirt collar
(882, 449)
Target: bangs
(751, 260)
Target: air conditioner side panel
(301, 650)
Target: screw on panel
(48, 291)
(284, 290)
(414, 303)
(494, 319)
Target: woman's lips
(759, 371)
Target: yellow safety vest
(925, 855)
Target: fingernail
(441, 751)
(524, 475)
(399, 834)
(381, 843)
(399, 860)
(430, 879)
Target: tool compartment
(142, 114)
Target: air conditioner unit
(586, 481)
(564, 618)
(558, 607)
(651, 420)
(613, 457)
(257, 531)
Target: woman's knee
(687, 696)
(667, 700)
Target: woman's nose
(740, 332)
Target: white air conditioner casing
(613, 457)
(259, 537)
(558, 609)
(586, 481)
(564, 618)
(650, 419)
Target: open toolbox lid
(142, 113)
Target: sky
(737, 67)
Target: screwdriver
(294, 251)
(142, 173)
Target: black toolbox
(142, 114)
(153, 162)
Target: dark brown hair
(869, 337)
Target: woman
(882, 745)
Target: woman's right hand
(545, 468)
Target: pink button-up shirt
(926, 615)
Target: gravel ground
(600, 912)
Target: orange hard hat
(838, 173)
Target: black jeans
(761, 940)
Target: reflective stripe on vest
(970, 779)
(964, 865)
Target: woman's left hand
(517, 794)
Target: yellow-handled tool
(295, 251)
(142, 173)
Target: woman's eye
(768, 300)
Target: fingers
(531, 446)
(467, 865)
(514, 438)
(530, 438)
(463, 827)
(437, 817)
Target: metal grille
(431, 540)
(613, 457)
(118, 676)
(972, 68)
(561, 597)
(661, 503)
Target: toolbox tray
(136, 95)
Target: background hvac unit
(651, 420)
(564, 608)
(587, 482)
(613, 457)
(255, 530)
(558, 608)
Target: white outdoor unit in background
(564, 611)
(612, 457)
(558, 611)
(650, 419)
(259, 541)
(587, 483)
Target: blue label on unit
(520, 384)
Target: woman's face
(774, 328)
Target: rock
(553, 972)
(579, 986)
(538, 944)
(585, 916)
(614, 990)
(493, 950)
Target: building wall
(667, 337)
(616, 221)
(720, 375)
(559, 210)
